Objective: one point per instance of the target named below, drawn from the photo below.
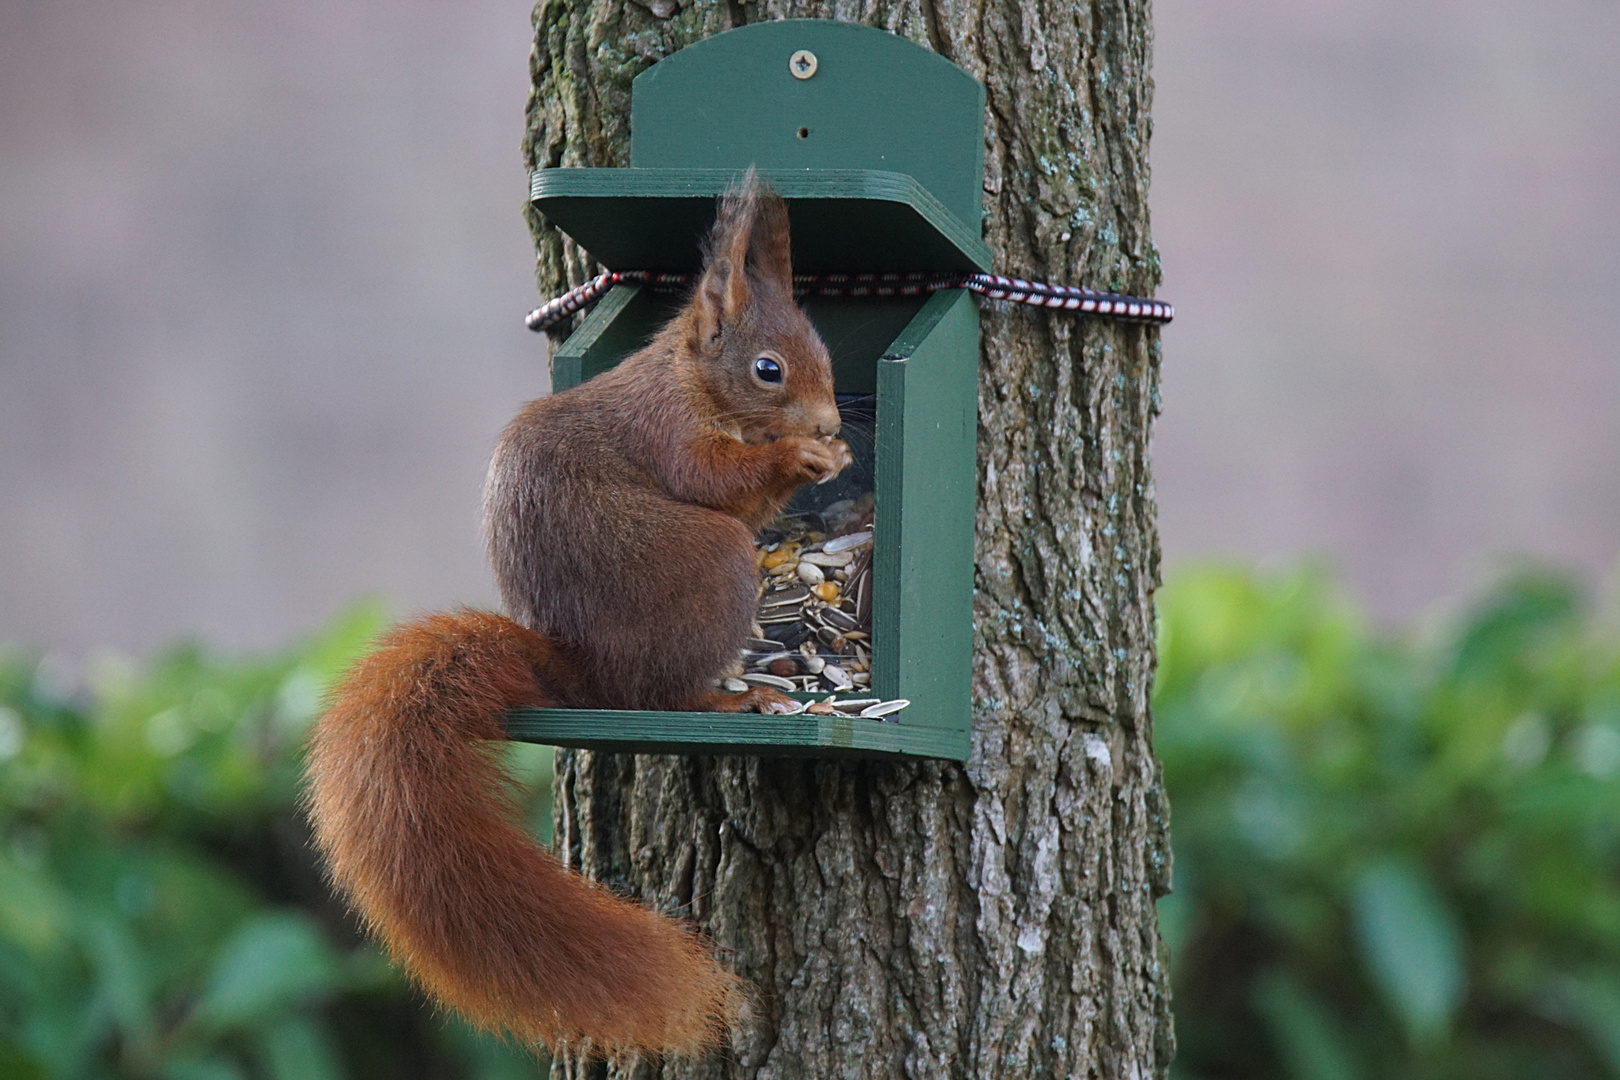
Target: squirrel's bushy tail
(418, 825)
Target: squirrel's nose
(827, 420)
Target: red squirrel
(685, 449)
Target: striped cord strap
(992, 286)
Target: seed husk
(827, 559)
(847, 543)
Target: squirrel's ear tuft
(723, 293)
(771, 244)
(750, 234)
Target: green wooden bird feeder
(877, 146)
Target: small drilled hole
(804, 133)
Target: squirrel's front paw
(817, 459)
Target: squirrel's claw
(842, 458)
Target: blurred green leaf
(1412, 946)
(1306, 1035)
(276, 960)
(1593, 1003)
(33, 911)
(16, 1064)
(1510, 621)
(122, 976)
(489, 1057)
(206, 1068)
(297, 1048)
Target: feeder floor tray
(729, 733)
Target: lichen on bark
(993, 919)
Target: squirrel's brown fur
(620, 516)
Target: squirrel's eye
(768, 370)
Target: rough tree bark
(933, 920)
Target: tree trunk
(994, 919)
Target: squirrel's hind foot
(756, 699)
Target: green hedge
(1396, 855)
(160, 912)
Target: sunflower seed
(884, 708)
(836, 618)
(790, 634)
(783, 597)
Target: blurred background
(262, 273)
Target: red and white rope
(992, 286)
